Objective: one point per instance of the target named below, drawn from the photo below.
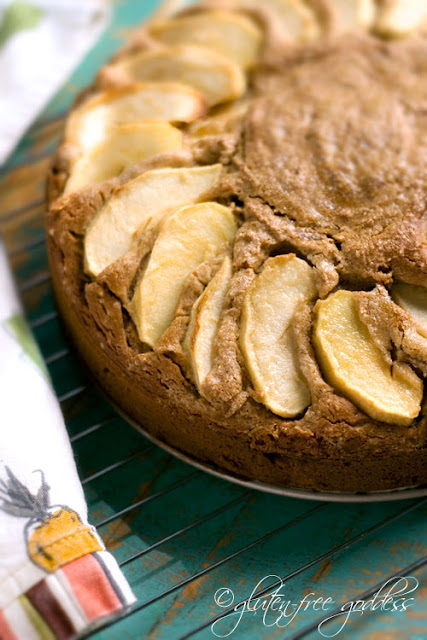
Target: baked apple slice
(297, 18)
(187, 238)
(355, 14)
(266, 339)
(234, 36)
(412, 299)
(397, 18)
(202, 329)
(160, 101)
(356, 367)
(123, 147)
(208, 72)
(225, 120)
(137, 203)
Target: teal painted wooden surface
(167, 495)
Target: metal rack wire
(44, 320)
(409, 569)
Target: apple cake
(237, 235)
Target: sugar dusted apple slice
(187, 238)
(356, 367)
(123, 147)
(296, 17)
(397, 18)
(234, 36)
(413, 299)
(354, 14)
(203, 325)
(208, 72)
(225, 120)
(266, 339)
(167, 102)
(139, 202)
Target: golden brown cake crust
(329, 164)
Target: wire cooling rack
(180, 535)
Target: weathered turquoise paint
(251, 516)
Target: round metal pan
(305, 494)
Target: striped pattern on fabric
(69, 601)
(6, 632)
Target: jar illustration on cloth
(54, 534)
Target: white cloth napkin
(41, 42)
(56, 578)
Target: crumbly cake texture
(327, 164)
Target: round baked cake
(237, 235)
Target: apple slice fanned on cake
(358, 369)
(354, 14)
(297, 19)
(186, 239)
(123, 147)
(88, 125)
(266, 339)
(139, 202)
(234, 36)
(202, 329)
(210, 73)
(413, 299)
(226, 119)
(397, 18)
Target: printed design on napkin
(17, 326)
(73, 599)
(18, 16)
(54, 534)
